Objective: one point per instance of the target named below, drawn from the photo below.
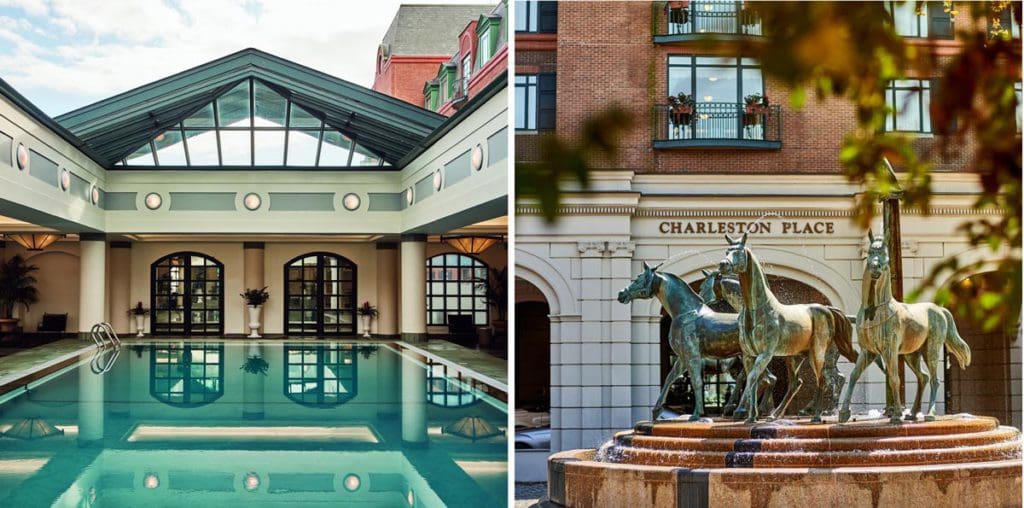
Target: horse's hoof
(694, 418)
(895, 419)
(816, 419)
(929, 418)
(910, 417)
(844, 416)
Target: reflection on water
(280, 423)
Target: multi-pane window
(251, 125)
(320, 297)
(187, 295)
(467, 69)
(454, 286)
(526, 102)
(320, 375)
(188, 374)
(929, 19)
(908, 100)
(483, 46)
(536, 16)
(446, 391)
(712, 79)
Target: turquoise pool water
(193, 423)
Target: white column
(414, 287)
(414, 399)
(120, 287)
(253, 277)
(387, 288)
(92, 281)
(90, 406)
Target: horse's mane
(683, 283)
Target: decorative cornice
(580, 210)
(621, 249)
(591, 249)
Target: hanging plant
(755, 106)
(681, 108)
(256, 365)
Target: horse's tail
(954, 342)
(843, 334)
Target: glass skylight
(252, 125)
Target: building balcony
(718, 125)
(687, 21)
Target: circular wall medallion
(95, 195)
(352, 482)
(252, 481)
(252, 201)
(153, 201)
(409, 196)
(438, 180)
(65, 179)
(22, 156)
(351, 201)
(478, 157)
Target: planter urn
(366, 325)
(254, 321)
(140, 325)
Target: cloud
(82, 51)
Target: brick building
(681, 181)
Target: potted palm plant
(366, 313)
(254, 299)
(17, 286)
(681, 110)
(140, 317)
(495, 290)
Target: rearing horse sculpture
(697, 332)
(887, 329)
(768, 328)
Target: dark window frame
(693, 65)
(445, 310)
(917, 91)
(937, 22)
(542, 14)
(187, 325)
(186, 367)
(319, 308)
(440, 386)
(320, 365)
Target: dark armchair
(461, 330)
(53, 323)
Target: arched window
(454, 286)
(446, 391)
(320, 295)
(187, 295)
(320, 375)
(188, 374)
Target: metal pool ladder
(102, 332)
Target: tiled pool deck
(486, 368)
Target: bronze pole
(894, 238)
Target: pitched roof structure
(430, 29)
(384, 128)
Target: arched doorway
(533, 357)
(719, 385)
(986, 386)
(320, 295)
(187, 295)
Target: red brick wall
(403, 77)
(605, 55)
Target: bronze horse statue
(696, 333)
(887, 329)
(769, 328)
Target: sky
(65, 54)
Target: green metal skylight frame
(252, 125)
(115, 129)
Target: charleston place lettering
(740, 227)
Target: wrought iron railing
(724, 121)
(711, 17)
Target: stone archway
(533, 357)
(985, 387)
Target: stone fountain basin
(955, 461)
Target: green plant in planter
(255, 297)
(256, 365)
(755, 105)
(495, 290)
(17, 286)
(138, 310)
(367, 310)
